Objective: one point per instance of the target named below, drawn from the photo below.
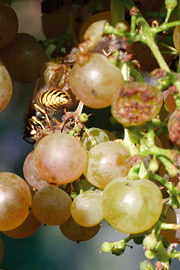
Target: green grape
(31, 174)
(26, 229)
(23, 57)
(5, 87)
(86, 208)
(98, 134)
(60, 158)
(95, 82)
(136, 103)
(8, 24)
(107, 161)
(174, 127)
(51, 205)
(75, 232)
(15, 201)
(132, 206)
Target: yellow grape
(51, 205)
(75, 232)
(5, 87)
(15, 201)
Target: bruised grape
(136, 103)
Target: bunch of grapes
(79, 175)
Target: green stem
(162, 255)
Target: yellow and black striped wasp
(51, 93)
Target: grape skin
(5, 87)
(132, 206)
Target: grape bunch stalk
(79, 175)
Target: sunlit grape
(5, 87)
(136, 103)
(26, 229)
(51, 205)
(86, 208)
(15, 201)
(76, 232)
(60, 158)
(132, 206)
(107, 161)
(8, 24)
(23, 57)
(95, 82)
(31, 174)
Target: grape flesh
(75, 232)
(107, 161)
(95, 82)
(136, 103)
(15, 201)
(132, 206)
(51, 205)
(86, 208)
(5, 87)
(60, 158)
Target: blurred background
(48, 248)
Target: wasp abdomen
(54, 99)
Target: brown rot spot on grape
(94, 93)
(53, 178)
(128, 185)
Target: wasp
(51, 93)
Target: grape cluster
(76, 176)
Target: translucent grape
(95, 82)
(31, 174)
(15, 201)
(132, 206)
(23, 57)
(86, 208)
(76, 232)
(5, 87)
(136, 103)
(8, 24)
(60, 158)
(51, 205)
(107, 161)
(26, 229)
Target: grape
(169, 101)
(86, 208)
(5, 87)
(60, 158)
(95, 82)
(176, 38)
(8, 24)
(174, 127)
(105, 15)
(51, 205)
(131, 206)
(31, 174)
(170, 235)
(56, 22)
(76, 232)
(98, 134)
(26, 229)
(15, 201)
(23, 57)
(136, 103)
(107, 161)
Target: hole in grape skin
(94, 93)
